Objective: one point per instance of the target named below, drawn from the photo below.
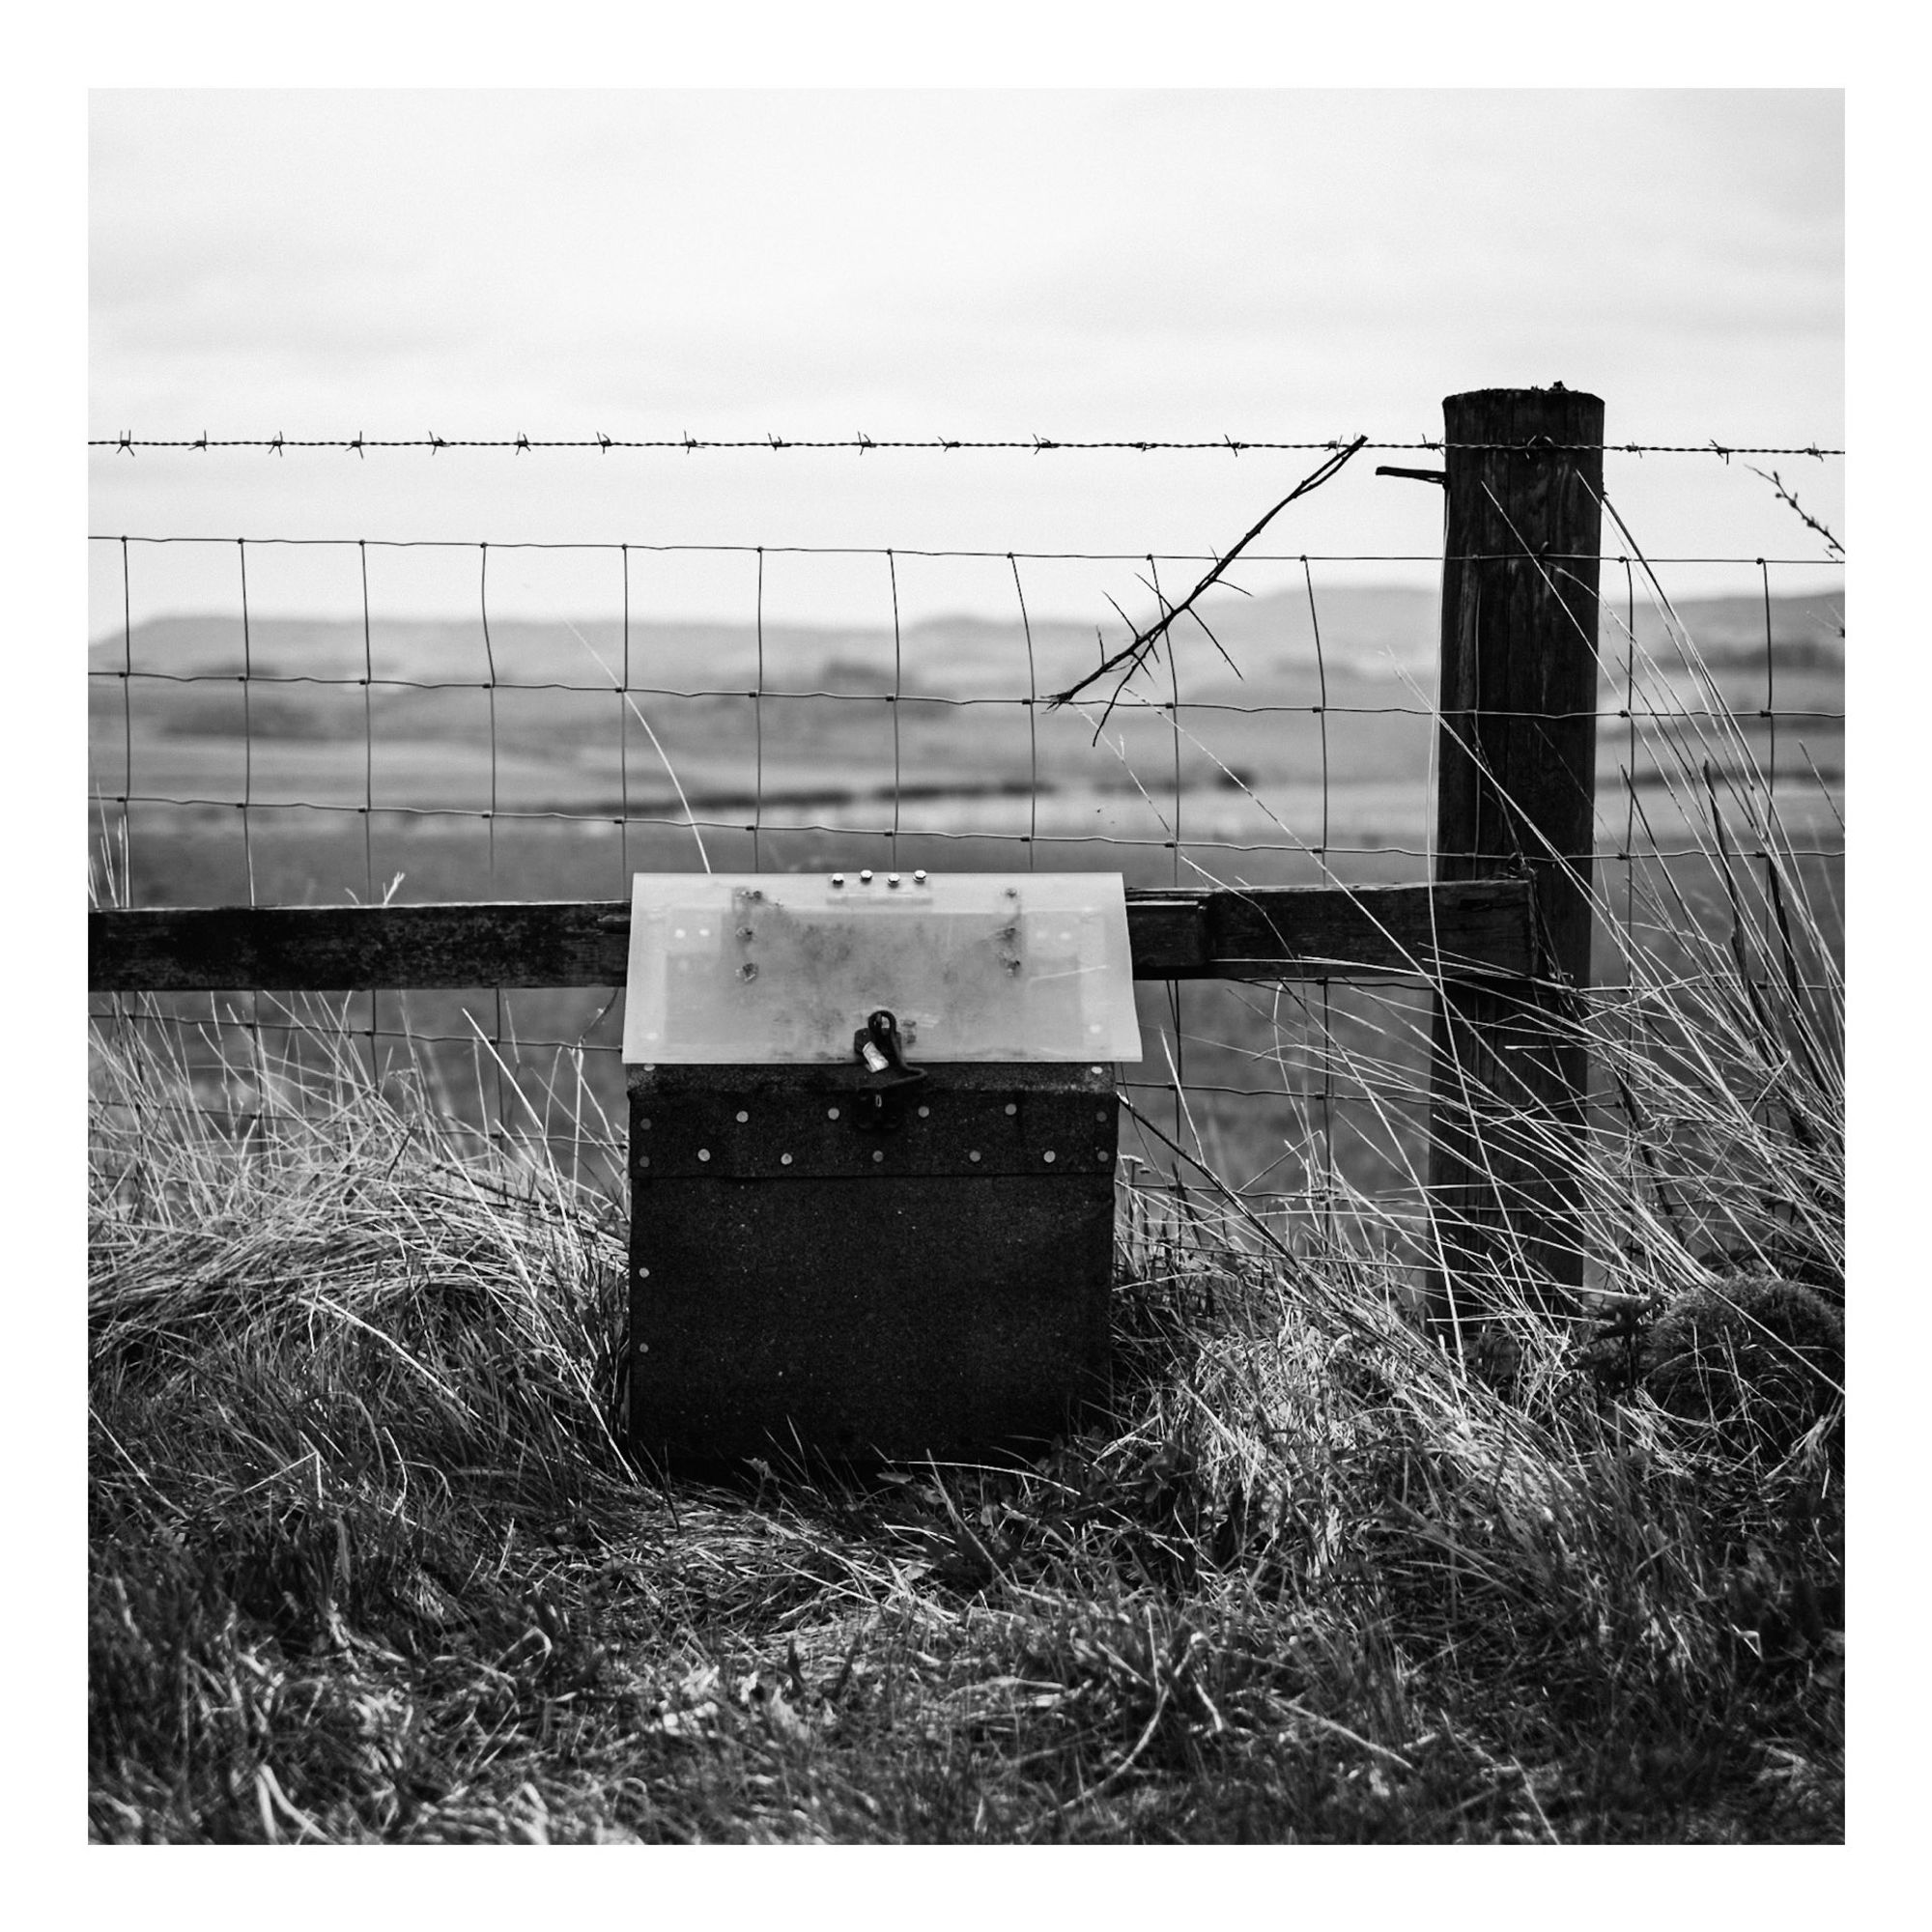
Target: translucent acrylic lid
(736, 967)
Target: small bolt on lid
(918, 877)
(838, 878)
(866, 877)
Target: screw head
(866, 877)
(893, 879)
(838, 878)
(919, 877)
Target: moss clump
(1761, 1358)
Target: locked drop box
(873, 1125)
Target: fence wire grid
(561, 728)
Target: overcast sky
(1264, 264)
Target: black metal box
(803, 1280)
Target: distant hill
(1365, 633)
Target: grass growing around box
(368, 1563)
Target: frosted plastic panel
(784, 967)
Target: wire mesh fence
(484, 721)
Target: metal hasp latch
(873, 1130)
(882, 1105)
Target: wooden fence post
(1517, 791)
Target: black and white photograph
(967, 964)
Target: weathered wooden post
(1517, 792)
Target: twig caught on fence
(1804, 516)
(1135, 653)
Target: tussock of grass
(368, 1563)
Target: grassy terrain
(369, 1564)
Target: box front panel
(877, 1292)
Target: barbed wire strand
(1035, 446)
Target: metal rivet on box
(918, 878)
(784, 1160)
(832, 1113)
(866, 877)
(643, 1274)
(643, 1161)
(878, 1153)
(974, 1155)
(644, 1121)
(1048, 1154)
(1011, 1107)
(1101, 1115)
(743, 1116)
(893, 879)
(704, 1153)
(838, 878)
(925, 1112)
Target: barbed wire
(128, 444)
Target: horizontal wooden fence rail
(1480, 930)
